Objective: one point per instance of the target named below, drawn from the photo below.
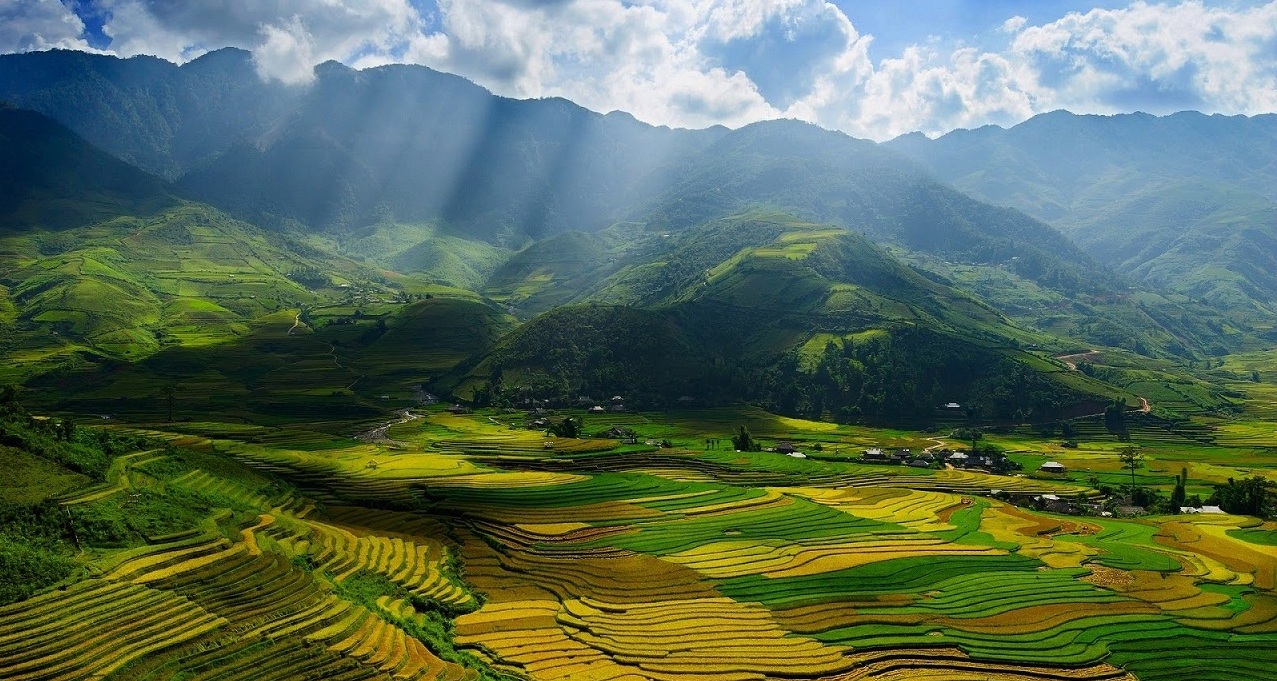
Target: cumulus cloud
(27, 25)
(1152, 57)
(704, 62)
(288, 37)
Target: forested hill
(161, 117)
(1184, 203)
(54, 179)
(409, 144)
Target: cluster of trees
(903, 376)
(310, 277)
(742, 441)
(35, 550)
(87, 451)
(601, 351)
(1250, 496)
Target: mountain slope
(1182, 202)
(858, 185)
(769, 306)
(159, 116)
(422, 145)
(54, 179)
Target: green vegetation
(1188, 219)
(739, 404)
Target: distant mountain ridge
(424, 173)
(1185, 203)
(409, 144)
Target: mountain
(53, 179)
(333, 208)
(420, 145)
(807, 318)
(1183, 203)
(102, 262)
(161, 117)
(406, 144)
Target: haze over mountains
(1183, 202)
(772, 249)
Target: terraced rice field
(589, 560)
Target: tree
(568, 427)
(1252, 496)
(170, 394)
(743, 441)
(1179, 496)
(66, 430)
(1115, 417)
(1254, 376)
(1132, 461)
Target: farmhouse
(596, 409)
(875, 454)
(1053, 467)
(958, 459)
(1189, 510)
(786, 447)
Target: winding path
(381, 433)
(1071, 361)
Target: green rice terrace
(459, 544)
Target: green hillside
(1181, 203)
(768, 306)
(130, 286)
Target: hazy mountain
(154, 114)
(408, 144)
(413, 144)
(424, 173)
(53, 179)
(1182, 202)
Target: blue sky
(873, 69)
(970, 21)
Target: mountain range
(152, 209)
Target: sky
(873, 69)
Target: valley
(389, 377)
(470, 545)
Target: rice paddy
(465, 546)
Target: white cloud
(1014, 24)
(287, 52)
(702, 62)
(288, 36)
(27, 25)
(1148, 56)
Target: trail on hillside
(1071, 361)
(939, 442)
(297, 321)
